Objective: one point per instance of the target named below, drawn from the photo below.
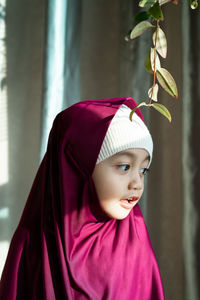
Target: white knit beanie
(124, 134)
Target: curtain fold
(54, 66)
(62, 68)
(72, 42)
(191, 150)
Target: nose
(135, 181)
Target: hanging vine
(150, 19)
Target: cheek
(107, 186)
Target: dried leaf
(153, 61)
(167, 82)
(144, 3)
(153, 92)
(140, 28)
(132, 112)
(156, 12)
(163, 110)
(161, 43)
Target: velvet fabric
(64, 246)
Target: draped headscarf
(64, 246)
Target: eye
(124, 167)
(144, 171)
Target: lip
(128, 204)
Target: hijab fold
(65, 247)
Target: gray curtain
(191, 150)
(23, 82)
(98, 63)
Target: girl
(82, 234)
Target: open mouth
(132, 199)
(129, 202)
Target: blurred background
(55, 53)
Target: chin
(119, 215)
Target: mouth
(129, 202)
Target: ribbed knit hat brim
(124, 134)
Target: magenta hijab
(64, 246)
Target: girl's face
(119, 181)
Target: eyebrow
(129, 154)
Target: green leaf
(144, 3)
(163, 110)
(140, 28)
(167, 82)
(156, 12)
(153, 92)
(147, 63)
(193, 4)
(153, 61)
(161, 43)
(132, 112)
(142, 16)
